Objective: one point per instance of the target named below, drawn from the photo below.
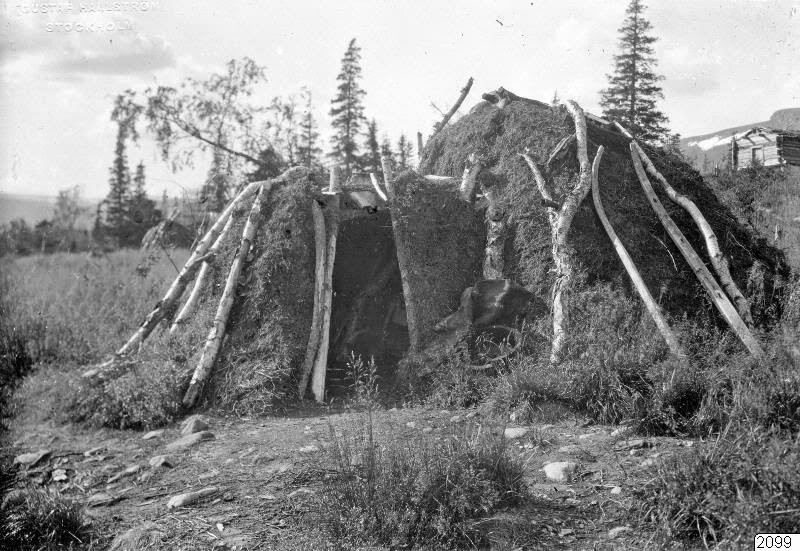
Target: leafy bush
(422, 491)
(35, 520)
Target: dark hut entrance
(368, 318)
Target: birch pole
(638, 283)
(718, 260)
(718, 297)
(185, 276)
(320, 241)
(214, 340)
(194, 296)
(560, 218)
(321, 363)
(493, 259)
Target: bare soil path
(265, 472)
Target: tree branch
(464, 91)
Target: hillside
(714, 145)
(34, 208)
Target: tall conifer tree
(633, 89)
(347, 109)
(308, 149)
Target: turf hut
(297, 275)
(650, 217)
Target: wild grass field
(437, 489)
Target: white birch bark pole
(638, 283)
(718, 260)
(320, 242)
(194, 296)
(493, 260)
(374, 180)
(321, 362)
(718, 297)
(186, 275)
(469, 179)
(560, 222)
(214, 340)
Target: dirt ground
(266, 471)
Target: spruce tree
(347, 110)
(142, 213)
(372, 158)
(386, 151)
(308, 151)
(633, 89)
(115, 221)
(404, 152)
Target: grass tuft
(35, 519)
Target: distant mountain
(713, 147)
(35, 208)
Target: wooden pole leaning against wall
(194, 296)
(332, 231)
(718, 297)
(718, 260)
(320, 244)
(652, 307)
(214, 340)
(186, 275)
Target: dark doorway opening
(368, 318)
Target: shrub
(744, 483)
(36, 519)
(418, 491)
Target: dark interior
(368, 317)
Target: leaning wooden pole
(194, 297)
(320, 242)
(214, 340)
(718, 260)
(186, 275)
(652, 307)
(320, 369)
(449, 115)
(718, 297)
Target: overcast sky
(725, 63)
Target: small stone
(614, 532)
(194, 424)
(100, 500)
(188, 498)
(159, 461)
(268, 497)
(426, 430)
(311, 448)
(59, 475)
(133, 469)
(301, 492)
(190, 440)
(686, 443)
(512, 433)
(560, 471)
(649, 462)
(569, 448)
(471, 414)
(93, 451)
(455, 419)
(411, 424)
(209, 474)
(565, 532)
(32, 458)
(393, 409)
(153, 434)
(616, 490)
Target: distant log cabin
(766, 147)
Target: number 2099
(786, 542)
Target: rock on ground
(194, 424)
(560, 471)
(32, 458)
(512, 433)
(188, 498)
(190, 440)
